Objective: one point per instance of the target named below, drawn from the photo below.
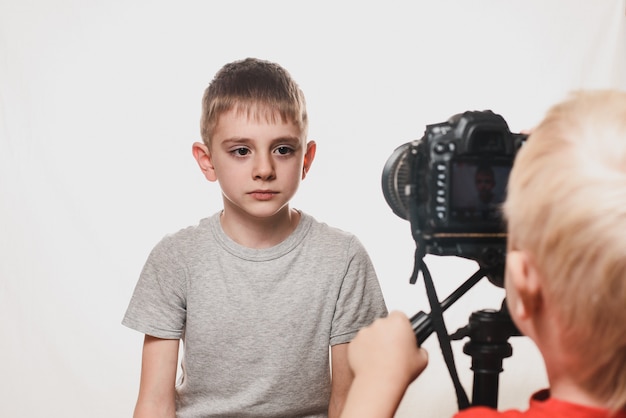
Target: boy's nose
(263, 167)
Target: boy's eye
(240, 151)
(284, 150)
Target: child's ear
(308, 157)
(203, 156)
(524, 292)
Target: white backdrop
(99, 106)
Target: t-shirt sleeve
(158, 304)
(360, 299)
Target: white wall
(99, 105)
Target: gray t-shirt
(256, 324)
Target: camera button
(440, 148)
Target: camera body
(451, 184)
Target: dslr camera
(450, 185)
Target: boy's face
(259, 164)
(484, 185)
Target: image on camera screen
(477, 190)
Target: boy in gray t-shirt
(259, 291)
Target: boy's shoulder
(323, 228)
(331, 237)
(189, 235)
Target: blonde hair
(257, 88)
(566, 206)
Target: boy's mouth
(263, 194)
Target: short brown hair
(257, 88)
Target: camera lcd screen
(477, 191)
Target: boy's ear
(203, 156)
(525, 280)
(309, 156)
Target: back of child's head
(566, 207)
(259, 89)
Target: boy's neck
(259, 233)
(563, 362)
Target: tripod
(488, 331)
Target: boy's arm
(341, 379)
(385, 359)
(158, 379)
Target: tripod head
(488, 331)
